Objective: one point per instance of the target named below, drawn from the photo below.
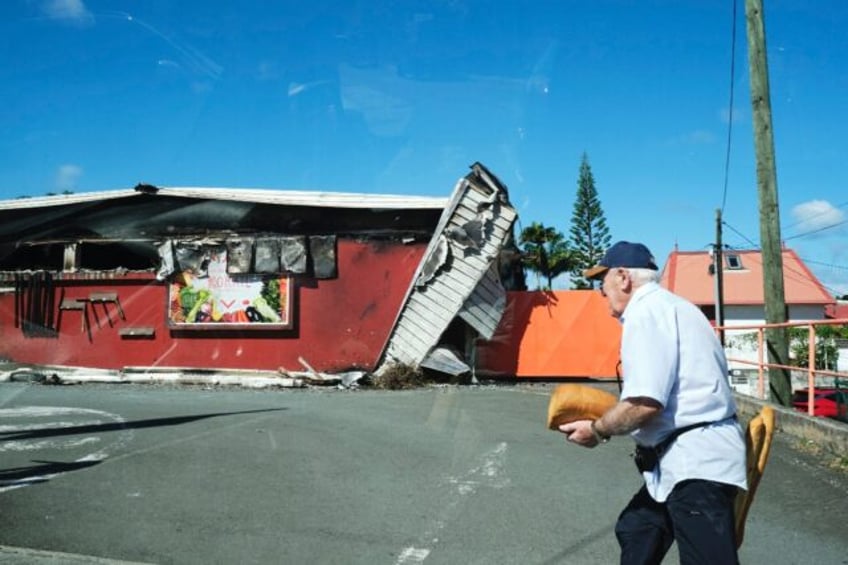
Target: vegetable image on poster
(221, 300)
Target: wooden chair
(758, 436)
(79, 305)
(105, 298)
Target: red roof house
(838, 310)
(690, 275)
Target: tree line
(548, 253)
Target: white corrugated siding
(468, 285)
(484, 308)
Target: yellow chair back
(758, 436)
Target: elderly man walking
(677, 405)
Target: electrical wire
(740, 234)
(789, 271)
(808, 218)
(831, 265)
(730, 107)
(817, 230)
(801, 277)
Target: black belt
(647, 458)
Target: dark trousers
(698, 514)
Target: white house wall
(755, 314)
(741, 345)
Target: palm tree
(545, 251)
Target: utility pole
(719, 279)
(777, 341)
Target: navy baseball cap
(623, 254)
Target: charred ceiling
(156, 216)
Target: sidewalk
(828, 434)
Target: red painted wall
(339, 324)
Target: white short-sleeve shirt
(670, 353)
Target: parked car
(827, 402)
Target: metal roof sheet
(263, 196)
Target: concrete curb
(62, 376)
(828, 434)
(179, 379)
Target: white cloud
(296, 88)
(67, 177)
(816, 215)
(694, 137)
(699, 136)
(267, 70)
(738, 116)
(67, 10)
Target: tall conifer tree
(590, 236)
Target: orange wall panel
(552, 334)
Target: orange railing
(811, 370)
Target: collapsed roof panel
(458, 275)
(484, 308)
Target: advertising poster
(219, 300)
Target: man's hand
(623, 418)
(580, 432)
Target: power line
(808, 218)
(796, 236)
(798, 276)
(730, 107)
(790, 270)
(823, 264)
(742, 235)
(817, 230)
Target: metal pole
(719, 280)
(811, 375)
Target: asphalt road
(147, 474)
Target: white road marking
(124, 438)
(26, 555)
(412, 555)
(46, 411)
(489, 473)
(45, 426)
(46, 444)
(69, 442)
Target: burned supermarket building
(254, 279)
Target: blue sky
(401, 97)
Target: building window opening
(733, 261)
(32, 257)
(130, 255)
